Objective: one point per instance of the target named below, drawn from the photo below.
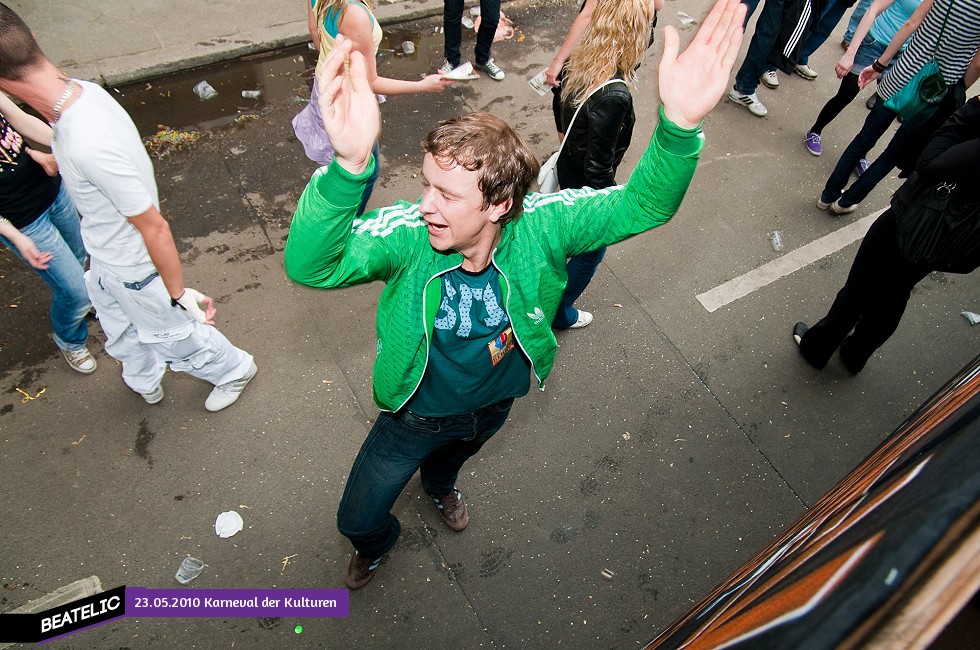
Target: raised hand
(350, 110)
(692, 82)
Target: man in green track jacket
(474, 272)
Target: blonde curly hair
(613, 43)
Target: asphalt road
(671, 442)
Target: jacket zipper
(507, 309)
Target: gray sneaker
(446, 68)
(80, 360)
(224, 395)
(493, 70)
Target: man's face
(452, 206)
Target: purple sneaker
(813, 143)
(861, 167)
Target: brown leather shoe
(453, 510)
(360, 570)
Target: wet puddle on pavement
(279, 76)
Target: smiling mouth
(435, 227)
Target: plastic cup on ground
(776, 239)
(189, 569)
(205, 91)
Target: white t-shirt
(109, 177)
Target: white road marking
(792, 261)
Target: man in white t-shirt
(135, 282)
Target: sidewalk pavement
(120, 41)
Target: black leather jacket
(598, 139)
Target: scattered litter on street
(189, 569)
(776, 239)
(251, 94)
(685, 19)
(27, 396)
(228, 523)
(285, 562)
(205, 91)
(167, 140)
(607, 574)
(972, 317)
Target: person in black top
(870, 305)
(39, 223)
(596, 115)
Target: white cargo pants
(145, 333)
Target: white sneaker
(155, 396)
(584, 318)
(750, 102)
(806, 72)
(224, 395)
(770, 79)
(447, 68)
(81, 360)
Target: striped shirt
(954, 51)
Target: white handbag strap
(568, 129)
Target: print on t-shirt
(11, 146)
(463, 304)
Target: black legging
(870, 303)
(845, 95)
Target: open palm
(350, 110)
(692, 82)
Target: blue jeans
(756, 60)
(452, 16)
(398, 445)
(875, 125)
(580, 268)
(58, 231)
(831, 15)
(856, 16)
(369, 188)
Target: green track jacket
(329, 248)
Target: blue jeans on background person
(58, 231)
(369, 188)
(859, 10)
(452, 17)
(398, 445)
(756, 60)
(580, 269)
(878, 170)
(875, 125)
(831, 15)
